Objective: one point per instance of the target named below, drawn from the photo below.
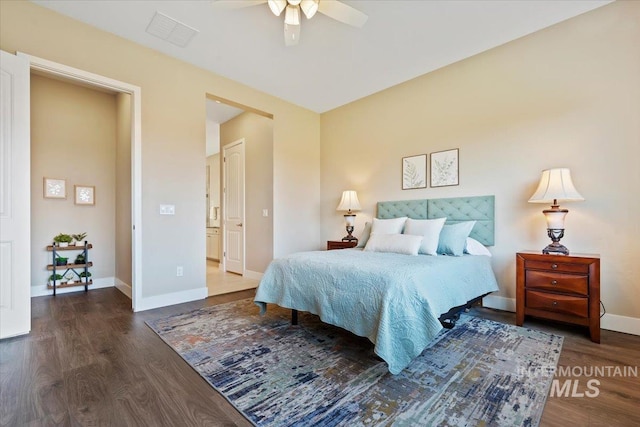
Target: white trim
(255, 275)
(96, 80)
(499, 303)
(624, 324)
(223, 207)
(123, 287)
(164, 300)
(610, 322)
(43, 290)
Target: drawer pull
(554, 266)
(554, 303)
(554, 282)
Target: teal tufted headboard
(457, 209)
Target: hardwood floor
(90, 361)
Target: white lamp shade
(309, 7)
(349, 201)
(292, 15)
(555, 185)
(277, 6)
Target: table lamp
(349, 203)
(555, 185)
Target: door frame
(223, 205)
(50, 68)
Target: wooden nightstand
(559, 287)
(338, 244)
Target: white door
(233, 176)
(15, 193)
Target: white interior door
(233, 187)
(15, 194)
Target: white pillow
(476, 248)
(364, 237)
(388, 226)
(429, 229)
(396, 243)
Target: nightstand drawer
(559, 282)
(557, 266)
(337, 244)
(575, 306)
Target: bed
(394, 300)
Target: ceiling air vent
(171, 30)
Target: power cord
(604, 310)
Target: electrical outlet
(167, 209)
(265, 212)
(179, 271)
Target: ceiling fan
(332, 8)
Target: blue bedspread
(394, 300)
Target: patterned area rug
(316, 374)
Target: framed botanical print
(54, 188)
(444, 168)
(414, 172)
(85, 195)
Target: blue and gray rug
(319, 375)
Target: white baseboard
(123, 287)
(42, 290)
(627, 325)
(253, 275)
(610, 322)
(499, 303)
(164, 300)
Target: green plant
(55, 277)
(79, 237)
(79, 259)
(63, 238)
(85, 274)
(61, 260)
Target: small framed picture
(414, 172)
(55, 188)
(444, 168)
(85, 194)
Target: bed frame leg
(294, 317)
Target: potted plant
(69, 278)
(84, 277)
(54, 279)
(63, 240)
(80, 259)
(61, 260)
(79, 238)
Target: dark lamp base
(349, 237)
(555, 234)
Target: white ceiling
(334, 63)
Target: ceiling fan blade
(236, 4)
(342, 12)
(291, 34)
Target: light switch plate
(265, 212)
(167, 209)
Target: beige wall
(123, 189)
(73, 137)
(214, 186)
(257, 132)
(567, 96)
(173, 141)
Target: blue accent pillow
(453, 238)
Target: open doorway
(119, 179)
(245, 131)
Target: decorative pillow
(476, 248)
(453, 238)
(396, 243)
(388, 226)
(364, 237)
(429, 229)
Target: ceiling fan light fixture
(277, 6)
(292, 15)
(309, 7)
